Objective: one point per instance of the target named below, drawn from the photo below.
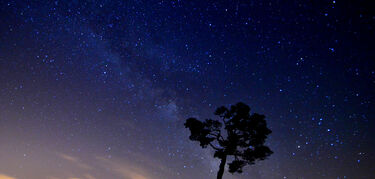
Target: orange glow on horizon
(2, 176)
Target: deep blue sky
(101, 89)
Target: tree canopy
(237, 133)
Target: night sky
(101, 89)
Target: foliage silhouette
(242, 137)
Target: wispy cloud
(89, 176)
(124, 170)
(75, 161)
(114, 167)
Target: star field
(101, 89)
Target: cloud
(88, 176)
(2, 176)
(75, 161)
(124, 170)
(121, 168)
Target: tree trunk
(222, 167)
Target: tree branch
(223, 118)
(218, 136)
(214, 146)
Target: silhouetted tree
(242, 137)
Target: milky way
(101, 89)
